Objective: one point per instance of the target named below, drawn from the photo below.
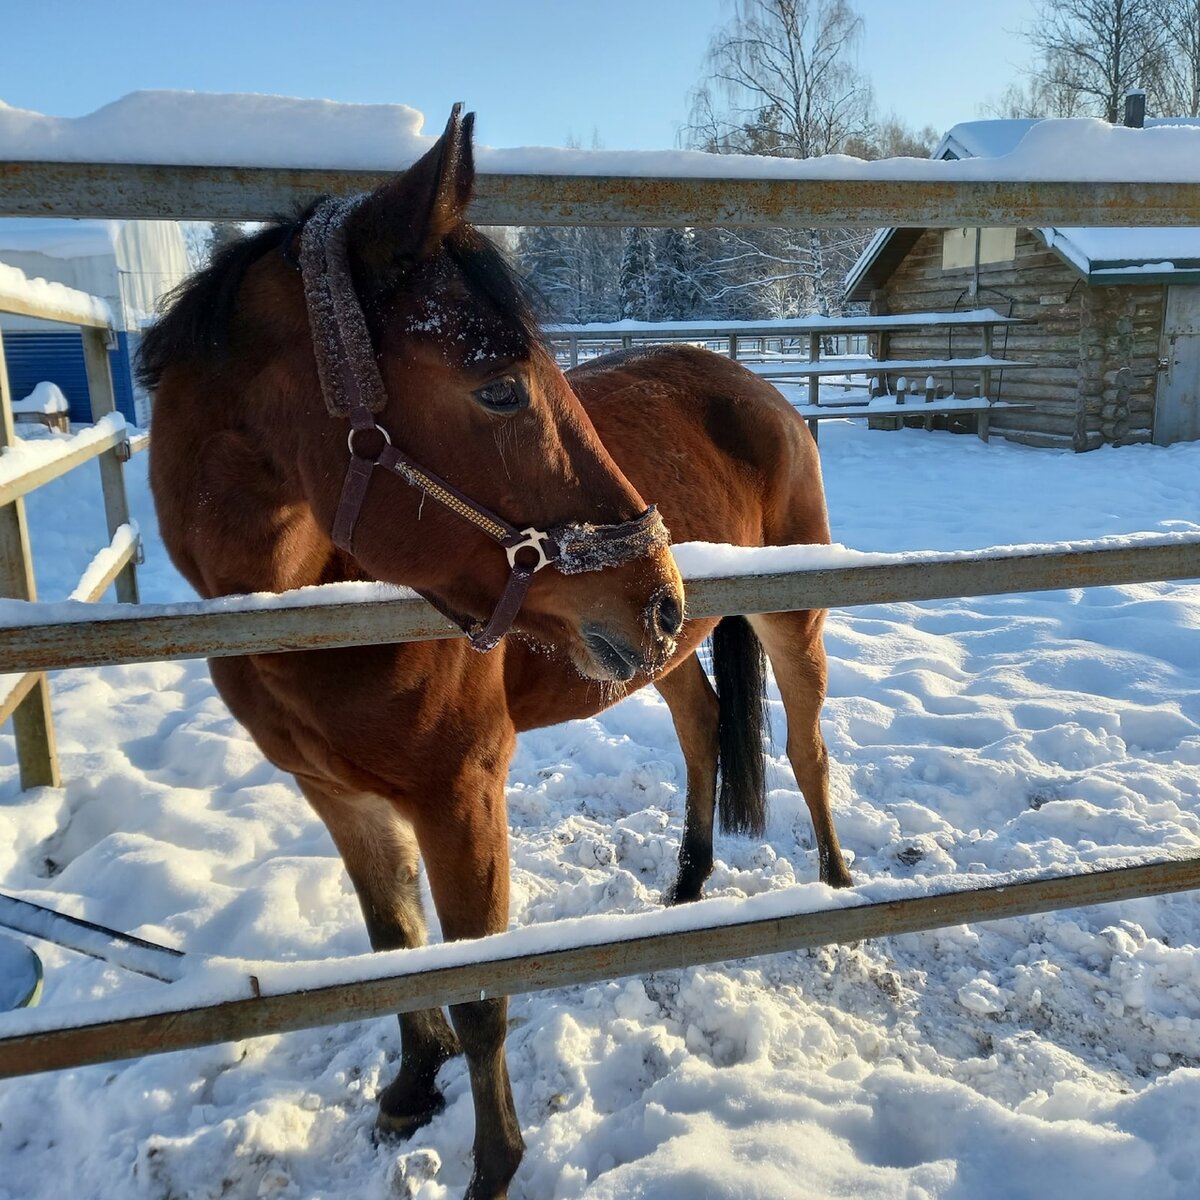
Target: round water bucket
(20, 975)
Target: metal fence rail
(222, 628)
(934, 200)
(355, 998)
(211, 193)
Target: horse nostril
(667, 614)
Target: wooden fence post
(37, 754)
(112, 462)
(985, 384)
(814, 357)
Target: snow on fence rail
(732, 335)
(719, 581)
(817, 332)
(226, 1000)
(210, 1007)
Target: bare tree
(1048, 93)
(785, 70)
(1094, 51)
(782, 81)
(195, 242)
(1181, 80)
(891, 138)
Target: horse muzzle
(613, 655)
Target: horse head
(468, 395)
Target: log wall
(1096, 348)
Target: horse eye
(505, 395)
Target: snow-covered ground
(970, 738)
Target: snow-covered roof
(17, 291)
(1102, 254)
(128, 264)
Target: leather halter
(353, 389)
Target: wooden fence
(27, 698)
(441, 975)
(813, 333)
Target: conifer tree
(637, 276)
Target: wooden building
(1114, 314)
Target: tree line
(780, 79)
(1090, 53)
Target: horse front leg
(379, 849)
(464, 841)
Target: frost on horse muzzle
(353, 389)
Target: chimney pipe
(1135, 109)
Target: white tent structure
(129, 264)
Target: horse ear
(408, 218)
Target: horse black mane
(195, 323)
(195, 319)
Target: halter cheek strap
(353, 388)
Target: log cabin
(1113, 314)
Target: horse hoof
(678, 894)
(398, 1127)
(837, 878)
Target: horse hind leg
(721, 734)
(794, 645)
(379, 849)
(693, 707)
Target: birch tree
(1181, 76)
(781, 81)
(1094, 51)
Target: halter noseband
(353, 389)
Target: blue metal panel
(122, 374)
(34, 356)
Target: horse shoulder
(229, 520)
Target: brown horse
(403, 749)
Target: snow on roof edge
(1002, 137)
(69, 302)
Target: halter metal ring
(366, 429)
(532, 541)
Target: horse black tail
(740, 671)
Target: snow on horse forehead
(361, 393)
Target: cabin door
(1177, 405)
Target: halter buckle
(372, 428)
(533, 540)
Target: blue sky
(537, 71)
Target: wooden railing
(27, 698)
(274, 997)
(887, 377)
(742, 340)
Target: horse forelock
(488, 274)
